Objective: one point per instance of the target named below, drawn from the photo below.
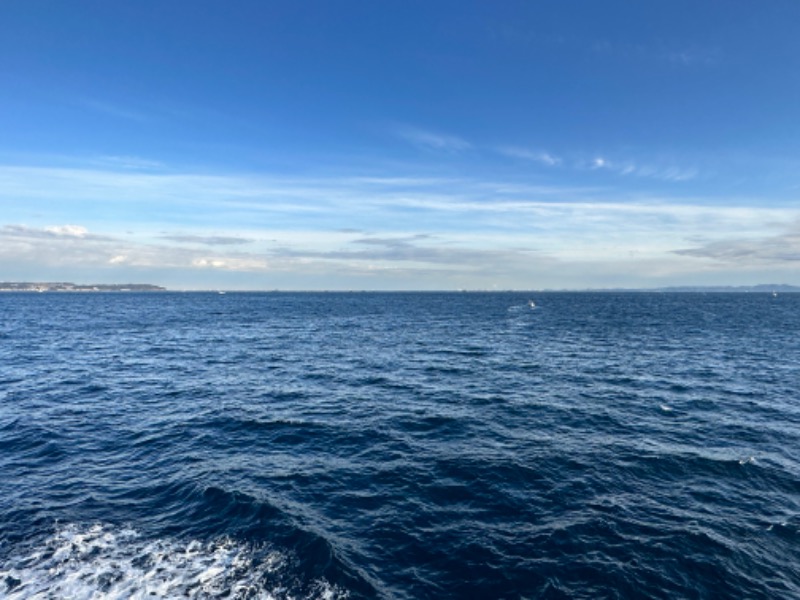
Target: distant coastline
(63, 286)
(767, 288)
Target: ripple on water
(399, 446)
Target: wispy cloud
(781, 248)
(419, 253)
(692, 56)
(544, 158)
(74, 246)
(207, 240)
(669, 173)
(431, 140)
(52, 232)
(663, 172)
(67, 230)
(676, 52)
(133, 163)
(468, 231)
(416, 254)
(666, 52)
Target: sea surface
(399, 445)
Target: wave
(118, 562)
(187, 541)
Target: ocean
(400, 445)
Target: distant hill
(764, 288)
(63, 286)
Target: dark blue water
(399, 446)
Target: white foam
(100, 562)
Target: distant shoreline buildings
(63, 286)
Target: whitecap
(101, 562)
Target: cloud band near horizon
(379, 232)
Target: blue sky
(400, 144)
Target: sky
(400, 145)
